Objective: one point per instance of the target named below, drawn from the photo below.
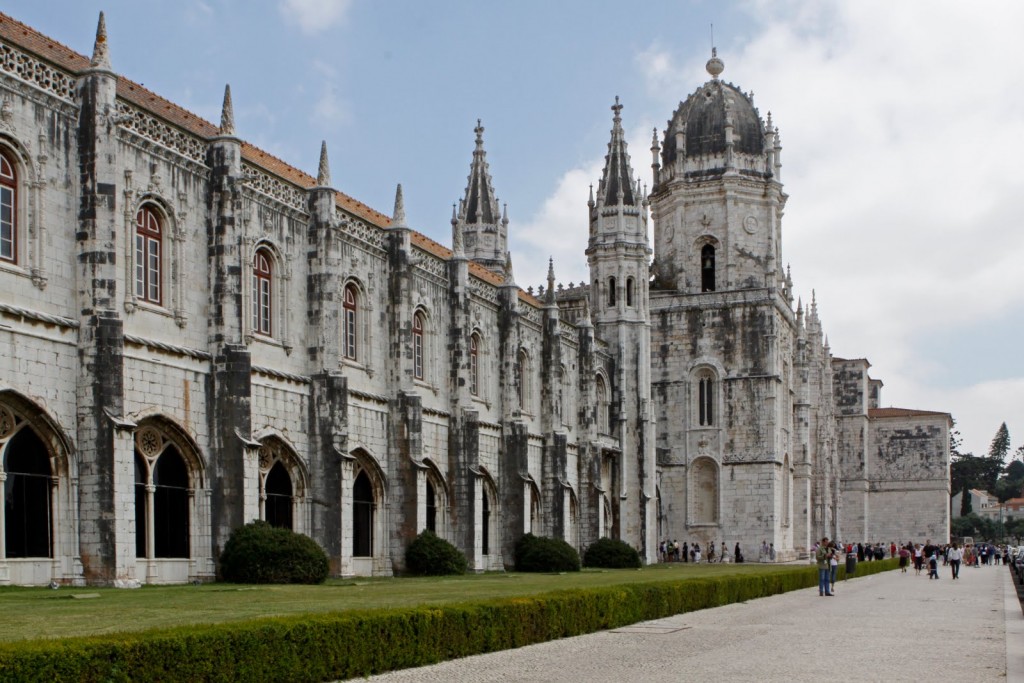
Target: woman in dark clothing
(738, 554)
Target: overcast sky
(901, 124)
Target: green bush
(611, 554)
(541, 554)
(361, 643)
(261, 553)
(429, 555)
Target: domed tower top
(716, 129)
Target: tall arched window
(8, 210)
(148, 255)
(351, 319)
(704, 491)
(27, 502)
(707, 268)
(474, 364)
(431, 508)
(277, 507)
(362, 516)
(611, 291)
(417, 346)
(485, 522)
(705, 399)
(262, 291)
(629, 291)
(161, 498)
(601, 394)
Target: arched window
(707, 268)
(262, 283)
(27, 496)
(705, 399)
(601, 391)
(474, 364)
(350, 322)
(431, 508)
(8, 210)
(161, 499)
(148, 255)
(629, 291)
(485, 522)
(611, 291)
(417, 346)
(362, 516)
(277, 508)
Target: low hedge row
(355, 644)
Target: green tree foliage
(611, 554)
(261, 553)
(429, 555)
(980, 528)
(541, 554)
(1014, 528)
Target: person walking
(822, 557)
(954, 556)
(833, 564)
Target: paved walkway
(889, 626)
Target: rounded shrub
(429, 555)
(611, 554)
(261, 553)
(541, 554)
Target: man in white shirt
(954, 555)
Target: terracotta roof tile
(903, 412)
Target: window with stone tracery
(262, 292)
(162, 497)
(8, 209)
(417, 346)
(474, 364)
(27, 491)
(148, 255)
(350, 321)
(706, 399)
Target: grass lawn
(30, 613)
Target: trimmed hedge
(543, 554)
(429, 555)
(358, 644)
(261, 553)
(611, 554)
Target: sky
(902, 124)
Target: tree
(1000, 447)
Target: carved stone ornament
(750, 224)
(149, 442)
(7, 422)
(266, 458)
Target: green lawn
(30, 613)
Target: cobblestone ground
(888, 626)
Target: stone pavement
(888, 626)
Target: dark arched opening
(170, 505)
(277, 507)
(27, 496)
(362, 517)
(431, 508)
(707, 268)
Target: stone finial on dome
(323, 175)
(715, 66)
(227, 113)
(398, 217)
(100, 56)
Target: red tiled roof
(67, 59)
(903, 412)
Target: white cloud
(314, 16)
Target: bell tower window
(611, 291)
(707, 268)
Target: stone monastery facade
(194, 335)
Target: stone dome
(704, 115)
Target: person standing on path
(954, 555)
(822, 556)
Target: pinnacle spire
(227, 113)
(457, 249)
(617, 181)
(509, 280)
(323, 175)
(398, 217)
(551, 281)
(100, 56)
(483, 225)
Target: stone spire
(483, 226)
(457, 248)
(550, 294)
(617, 182)
(509, 280)
(100, 56)
(398, 217)
(227, 114)
(323, 175)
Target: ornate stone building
(195, 334)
